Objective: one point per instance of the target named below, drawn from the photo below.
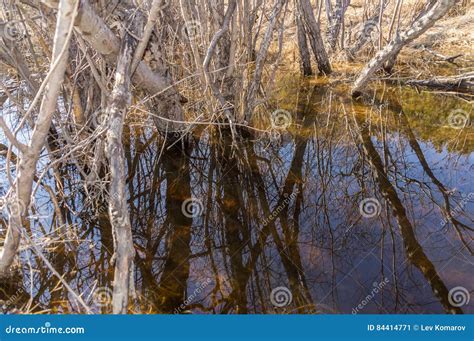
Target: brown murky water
(361, 207)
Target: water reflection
(276, 224)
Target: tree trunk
(420, 26)
(210, 53)
(461, 83)
(30, 154)
(336, 22)
(168, 101)
(302, 43)
(315, 38)
(261, 58)
(118, 209)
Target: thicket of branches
(76, 72)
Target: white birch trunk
(118, 208)
(420, 26)
(30, 154)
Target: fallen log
(463, 83)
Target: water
(341, 214)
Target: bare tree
(150, 147)
(95, 31)
(420, 26)
(315, 39)
(336, 21)
(303, 42)
(118, 209)
(30, 153)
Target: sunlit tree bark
(303, 43)
(118, 208)
(30, 154)
(95, 32)
(315, 39)
(420, 26)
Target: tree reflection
(272, 211)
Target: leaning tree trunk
(420, 26)
(101, 38)
(388, 67)
(315, 37)
(30, 153)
